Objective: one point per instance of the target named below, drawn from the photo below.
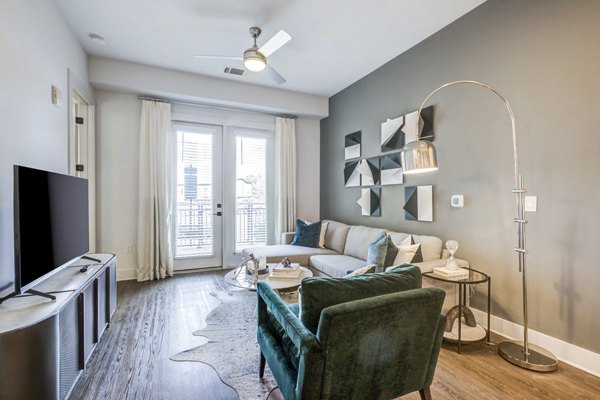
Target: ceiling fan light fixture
(254, 60)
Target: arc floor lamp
(420, 156)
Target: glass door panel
(197, 216)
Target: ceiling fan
(255, 58)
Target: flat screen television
(51, 223)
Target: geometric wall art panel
(395, 133)
(418, 203)
(369, 171)
(370, 202)
(352, 146)
(426, 124)
(351, 174)
(391, 169)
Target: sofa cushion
(307, 235)
(319, 293)
(336, 265)
(431, 246)
(335, 235)
(296, 254)
(359, 239)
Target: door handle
(218, 214)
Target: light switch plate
(530, 204)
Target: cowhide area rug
(232, 349)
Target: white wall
(117, 118)
(36, 50)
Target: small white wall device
(457, 200)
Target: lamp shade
(418, 156)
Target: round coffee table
(280, 284)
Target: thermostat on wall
(457, 200)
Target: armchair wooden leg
(261, 372)
(425, 393)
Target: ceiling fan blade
(280, 38)
(230, 58)
(275, 76)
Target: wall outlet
(128, 249)
(530, 204)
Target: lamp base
(539, 359)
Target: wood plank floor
(155, 320)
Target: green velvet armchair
(375, 336)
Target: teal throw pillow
(377, 252)
(307, 235)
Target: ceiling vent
(235, 71)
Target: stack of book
(451, 273)
(292, 272)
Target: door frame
(81, 93)
(181, 264)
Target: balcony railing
(194, 232)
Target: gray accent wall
(544, 56)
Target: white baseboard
(578, 357)
(126, 274)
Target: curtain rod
(187, 103)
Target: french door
(222, 195)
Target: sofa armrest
(304, 340)
(287, 237)
(428, 266)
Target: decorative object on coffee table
(279, 284)
(420, 156)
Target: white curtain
(285, 176)
(154, 253)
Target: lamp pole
(522, 354)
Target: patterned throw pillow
(307, 235)
(368, 269)
(377, 252)
(409, 254)
(404, 249)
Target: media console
(45, 344)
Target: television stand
(31, 292)
(49, 343)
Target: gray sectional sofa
(345, 249)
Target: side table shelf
(462, 311)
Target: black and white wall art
(395, 133)
(351, 173)
(369, 171)
(370, 202)
(352, 145)
(391, 169)
(418, 203)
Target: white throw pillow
(406, 254)
(368, 269)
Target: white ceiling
(334, 42)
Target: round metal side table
(462, 310)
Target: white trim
(126, 274)
(568, 353)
